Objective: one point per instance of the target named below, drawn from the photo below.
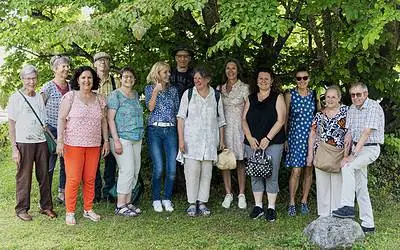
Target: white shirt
(27, 126)
(201, 126)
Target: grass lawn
(224, 229)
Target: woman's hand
(16, 155)
(286, 146)
(106, 149)
(60, 148)
(346, 160)
(182, 146)
(264, 143)
(118, 147)
(221, 145)
(253, 143)
(158, 87)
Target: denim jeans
(52, 165)
(163, 140)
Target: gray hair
(337, 88)
(27, 70)
(361, 84)
(57, 60)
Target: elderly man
(101, 62)
(182, 75)
(365, 121)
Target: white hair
(27, 70)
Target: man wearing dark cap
(101, 62)
(182, 78)
(182, 75)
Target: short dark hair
(78, 72)
(275, 85)
(127, 69)
(302, 68)
(239, 70)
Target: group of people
(189, 121)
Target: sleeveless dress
(301, 113)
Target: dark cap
(101, 55)
(183, 47)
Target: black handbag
(259, 165)
(51, 141)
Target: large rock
(331, 232)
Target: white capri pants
(329, 191)
(128, 164)
(198, 180)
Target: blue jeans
(52, 165)
(163, 140)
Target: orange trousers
(80, 166)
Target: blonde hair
(337, 88)
(154, 74)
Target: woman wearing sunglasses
(301, 105)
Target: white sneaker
(157, 206)
(167, 204)
(227, 201)
(91, 215)
(242, 201)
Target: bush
(384, 173)
(4, 137)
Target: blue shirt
(167, 104)
(129, 115)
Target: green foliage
(4, 138)
(384, 174)
(342, 41)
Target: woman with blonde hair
(162, 100)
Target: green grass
(224, 229)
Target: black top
(182, 80)
(262, 116)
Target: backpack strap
(113, 82)
(190, 93)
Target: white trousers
(198, 180)
(329, 190)
(128, 164)
(355, 183)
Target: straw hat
(226, 160)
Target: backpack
(217, 95)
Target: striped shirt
(369, 115)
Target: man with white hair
(365, 123)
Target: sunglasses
(354, 95)
(298, 78)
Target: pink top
(83, 128)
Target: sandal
(192, 210)
(203, 210)
(91, 215)
(125, 211)
(134, 208)
(70, 219)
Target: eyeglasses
(298, 78)
(354, 95)
(182, 55)
(30, 79)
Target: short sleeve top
(83, 127)
(27, 126)
(53, 100)
(167, 104)
(331, 130)
(128, 116)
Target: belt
(162, 124)
(366, 144)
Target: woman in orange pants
(82, 121)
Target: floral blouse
(167, 104)
(330, 130)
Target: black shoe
(368, 230)
(270, 215)
(344, 212)
(257, 212)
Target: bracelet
(268, 138)
(106, 140)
